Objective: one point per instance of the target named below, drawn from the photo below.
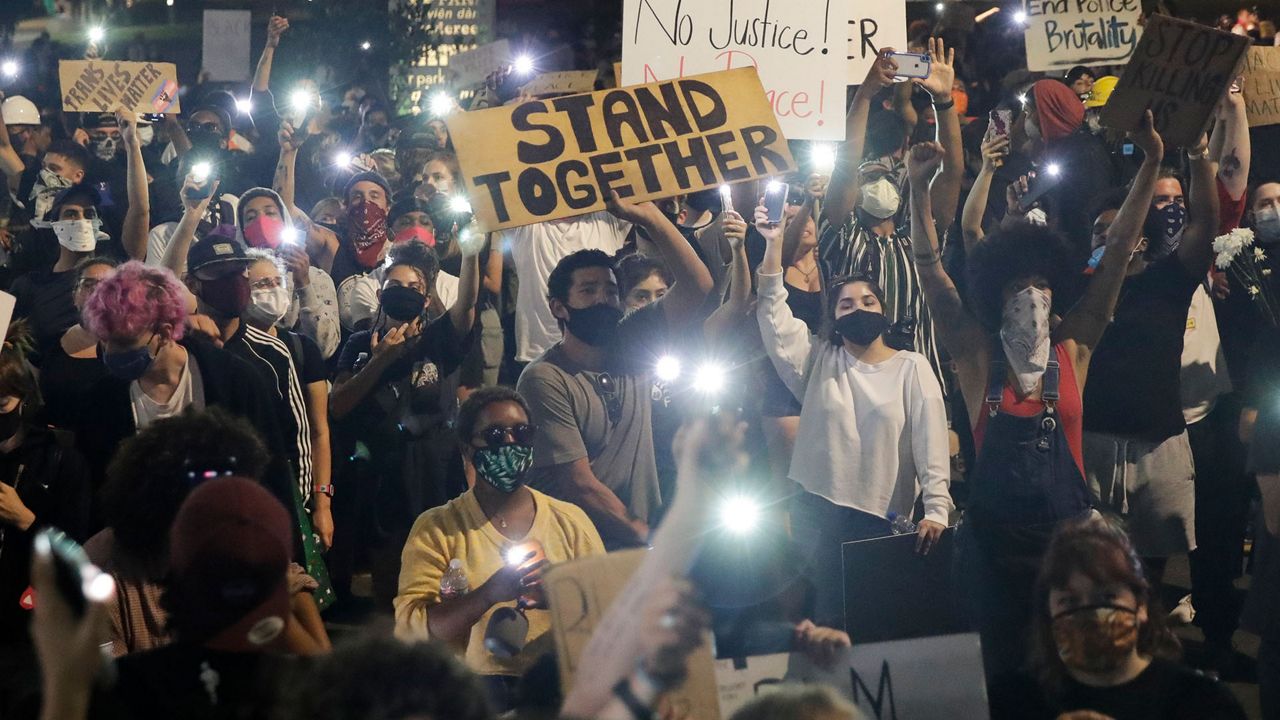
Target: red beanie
(1059, 109)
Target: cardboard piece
(473, 66)
(926, 678)
(108, 85)
(7, 304)
(1262, 86)
(1179, 71)
(562, 83)
(580, 592)
(1061, 34)
(892, 593)
(547, 159)
(796, 47)
(873, 27)
(226, 45)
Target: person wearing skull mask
(1100, 647)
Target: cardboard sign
(1179, 71)
(547, 159)
(795, 46)
(873, 27)
(474, 65)
(107, 86)
(1262, 86)
(922, 679)
(1064, 33)
(580, 592)
(561, 83)
(226, 45)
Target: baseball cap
(218, 249)
(229, 550)
(83, 191)
(18, 110)
(1101, 92)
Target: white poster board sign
(873, 27)
(226, 45)
(1064, 33)
(796, 48)
(935, 678)
(473, 66)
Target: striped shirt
(851, 248)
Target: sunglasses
(607, 388)
(206, 126)
(497, 434)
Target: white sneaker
(1183, 613)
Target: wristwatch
(324, 490)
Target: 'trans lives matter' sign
(799, 49)
(548, 159)
(107, 86)
(1262, 86)
(1179, 72)
(1064, 33)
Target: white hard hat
(18, 110)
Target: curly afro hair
(1014, 253)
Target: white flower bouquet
(1235, 253)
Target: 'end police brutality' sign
(1064, 33)
(548, 159)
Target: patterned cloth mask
(503, 466)
(1096, 638)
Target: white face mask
(77, 235)
(1267, 222)
(268, 305)
(146, 134)
(880, 199)
(1033, 131)
(1025, 336)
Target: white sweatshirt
(871, 436)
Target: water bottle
(901, 524)
(454, 584)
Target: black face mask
(403, 304)
(10, 422)
(596, 325)
(202, 139)
(861, 327)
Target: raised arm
(726, 316)
(795, 228)
(994, 150)
(262, 75)
(945, 189)
(10, 161)
(322, 244)
(1085, 323)
(692, 280)
(137, 219)
(1231, 148)
(175, 253)
(463, 311)
(1196, 249)
(786, 338)
(842, 192)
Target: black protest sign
(548, 159)
(1179, 71)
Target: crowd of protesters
(265, 368)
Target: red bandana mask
(367, 230)
(416, 232)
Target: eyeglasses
(607, 388)
(88, 284)
(495, 435)
(267, 283)
(206, 126)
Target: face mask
(417, 232)
(45, 191)
(128, 365)
(1033, 131)
(367, 231)
(10, 422)
(202, 139)
(1095, 259)
(267, 306)
(504, 466)
(880, 199)
(861, 327)
(1025, 336)
(596, 325)
(228, 295)
(403, 304)
(1267, 222)
(264, 232)
(105, 149)
(146, 134)
(1163, 230)
(1095, 639)
(77, 235)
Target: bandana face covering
(417, 232)
(1096, 638)
(77, 235)
(367, 230)
(45, 191)
(1163, 230)
(504, 466)
(1025, 336)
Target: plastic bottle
(901, 524)
(454, 583)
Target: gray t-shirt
(569, 407)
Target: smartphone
(1039, 185)
(153, 118)
(911, 65)
(516, 555)
(71, 566)
(205, 173)
(1000, 121)
(726, 198)
(775, 198)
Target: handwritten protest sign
(1262, 86)
(547, 159)
(579, 593)
(107, 86)
(795, 47)
(874, 26)
(226, 45)
(559, 83)
(1061, 34)
(898, 679)
(473, 66)
(1179, 71)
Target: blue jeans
(820, 528)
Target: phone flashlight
(822, 157)
(342, 159)
(244, 105)
(523, 65)
(289, 235)
(300, 101)
(667, 369)
(710, 378)
(1054, 169)
(9, 68)
(200, 171)
(739, 514)
(441, 104)
(97, 34)
(726, 198)
(459, 205)
(775, 197)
